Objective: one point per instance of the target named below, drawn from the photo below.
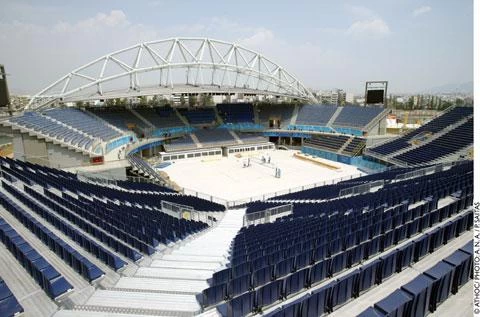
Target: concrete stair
(236, 137)
(139, 116)
(196, 140)
(344, 146)
(169, 284)
(334, 117)
(179, 115)
(293, 120)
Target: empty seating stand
(45, 275)
(160, 117)
(303, 249)
(120, 117)
(9, 305)
(281, 113)
(199, 116)
(426, 291)
(236, 112)
(450, 142)
(331, 143)
(356, 117)
(83, 122)
(106, 256)
(318, 115)
(44, 125)
(434, 126)
(111, 223)
(354, 147)
(214, 136)
(79, 263)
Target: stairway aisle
(168, 285)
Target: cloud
(49, 51)
(360, 12)
(421, 10)
(375, 27)
(116, 18)
(260, 37)
(366, 23)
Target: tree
(182, 100)
(163, 102)
(206, 100)
(209, 101)
(110, 102)
(79, 104)
(459, 102)
(410, 103)
(192, 100)
(143, 100)
(120, 102)
(153, 102)
(444, 105)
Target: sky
(414, 44)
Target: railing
(377, 118)
(424, 171)
(359, 148)
(242, 202)
(267, 215)
(94, 177)
(361, 189)
(391, 160)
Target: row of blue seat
(81, 239)
(445, 183)
(328, 142)
(85, 226)
(120, 117)
(9, 305)
(281, 113)
(425, 292)
(107, 224)
(148, 225)
(450, 142)
(317, 115)
(353, 284)
(236, 112)
(434, 126)
(442, 183)
(199, 115)
(321, 264)
(29, 174)
(39, 168)
(142, 186)
(212, 136)
(52, 282)
(335, 234)
(356, 117)
(83, 122)
(161, 117)
(249, 252)
(53, 129)
(79, 263)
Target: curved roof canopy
(176, 65)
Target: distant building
(335, 97)
(349, 97)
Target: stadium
(197, 177)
